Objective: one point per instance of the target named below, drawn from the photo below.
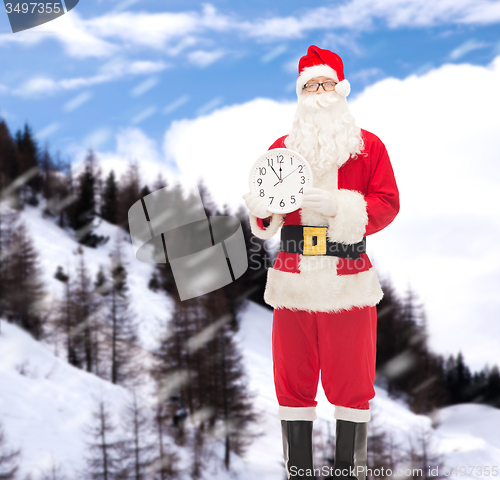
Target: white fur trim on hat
(343, 88)
(315, 71)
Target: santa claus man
(324, 303)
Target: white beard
(324, 131)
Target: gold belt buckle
(314, 241)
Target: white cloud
(368, 75)
(96, 138)
(176, 104)
(42, 85)
(273, 53)
(47, 131)
(466, 47)
(106, 35)
(77, 101)
(210, 105)
(144, 114)
(132, 144)
(443, 142)
(175, 32)
(202, 58)
(360, 15)
(144, 86)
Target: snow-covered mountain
(45, 402)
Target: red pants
(341, 345)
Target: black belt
(309, 240)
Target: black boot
(351, 450)
(297, 448)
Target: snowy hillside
(45, 402)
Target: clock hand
(287, 175)
(276, 173)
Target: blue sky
(110, 64)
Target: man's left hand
(320, 200)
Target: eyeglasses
(313, 87)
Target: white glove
(320, 200)
(256, 205)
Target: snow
(45, 403)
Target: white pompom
(343, 88)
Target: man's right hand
(256, 205)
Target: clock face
(280, 176)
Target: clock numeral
(301, 168)
(261, 194)
(269, 162)
(282, 203)
(259, 182)
(303, 180)
(272, 198)
(292, 199)
(301, 190)
(262, 170)
(280, 159)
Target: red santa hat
(322, 63)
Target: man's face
(321, 88)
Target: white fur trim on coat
(322, 291)
(349, 225)
(313, 72)
(296, 413)
(277, 220)
(352, 414)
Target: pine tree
(383, 454)
(136, 450)
(129, 192)
(122, 337)
(422, 454)
(55, 472)
(159, 183)
(109, 206)
(29, 164)
(103, 461)
(85, 325)
(59, 190)
(23, 285)
(83, 210)
(164, 466)
(231, 401)
(8, 220)
(64, 319)
(492, 395)
(9, 157)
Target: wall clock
(280, 176)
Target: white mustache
(323, 100)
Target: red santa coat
(368, 200)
